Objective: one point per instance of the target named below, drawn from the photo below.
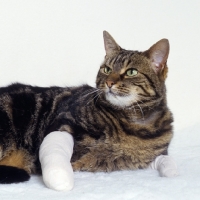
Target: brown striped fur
(122, 124)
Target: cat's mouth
(115, 92)
(111, 92)
(118, 99)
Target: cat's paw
(167, 167)
(59, 179)
(55, 154)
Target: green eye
(107, 70)
(131, 72)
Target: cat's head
(128, 77)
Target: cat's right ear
(158, 55)
(111, 46)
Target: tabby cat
(122, 124)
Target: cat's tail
(9, 174)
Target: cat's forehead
(125, 59)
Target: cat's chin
(120, 101)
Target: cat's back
(25, 109)
(26, 94)
(18, 88)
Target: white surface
(48, 42)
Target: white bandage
(165, 165)
(55, 155)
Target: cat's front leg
(165, 165)
(55, 155)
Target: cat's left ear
(158, 54)
(111, 46)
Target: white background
(60, 42)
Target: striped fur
(123, 123)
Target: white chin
(121, 101)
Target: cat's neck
(138, 113)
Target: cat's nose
(110, 83)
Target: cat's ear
(111, 46)
(158, 54)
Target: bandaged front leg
(165, 165)
(55, 155)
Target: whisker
(135, 111)
(96, 95)
(90, 93)
(140, 110)
(144, 103)
(133, 106)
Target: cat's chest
(112, 143)
(111, 154)
(121, 151)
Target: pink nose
(110, 83)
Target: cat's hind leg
(55, 155)
(165, 165)
(14, 167)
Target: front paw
(58, 178)
(167, 167)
